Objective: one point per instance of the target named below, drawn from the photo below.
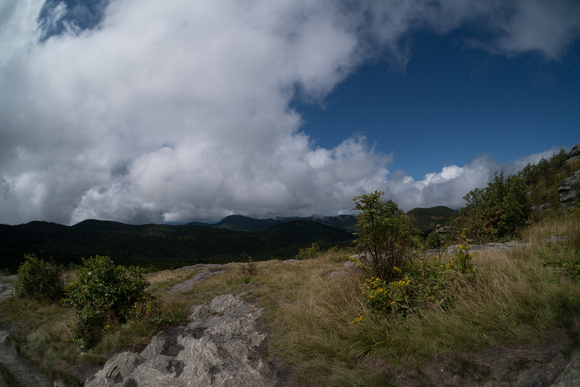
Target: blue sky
(452, 103)
(151, 112)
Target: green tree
(385, 234)
(39, 280)
(104, 294)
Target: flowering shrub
(104, 294)
(462, 262)
(419, 284)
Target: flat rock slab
(24, 373)
(188, 284)
(571, 374)
(219, 347)
(6, 288)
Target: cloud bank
(148, 111)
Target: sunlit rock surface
(219, 347)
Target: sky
(150, 112)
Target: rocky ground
(547, 364)
(9, 359)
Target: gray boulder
(219, 347)
(574, 154)
(569, 196)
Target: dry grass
(515, 298)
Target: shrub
(434, 240)
(309, 253)
(39, 280)
(499, 211)
(104, 294)
(386, 235)
(249, 268)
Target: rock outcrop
(569, 189)
(569, 193)
(25, 374)
(219, 347)
(574, 154)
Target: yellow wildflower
(357, 320)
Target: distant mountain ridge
(168, 246)
(245, 223)
(423, 220)
(163, 246)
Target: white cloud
(449, 186)
(546, 26)
(181, 110)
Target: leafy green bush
(39, 280)
(385, 235)
(104, 294)
(309, 253)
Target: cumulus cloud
(149, 111)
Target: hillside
(163, 246)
